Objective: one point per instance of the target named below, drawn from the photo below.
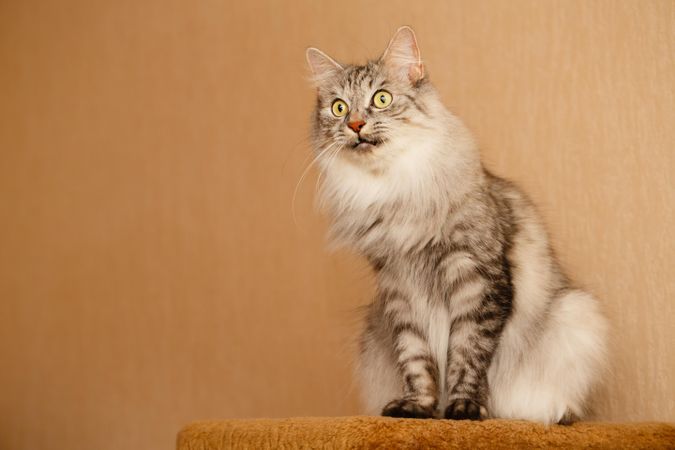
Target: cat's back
(519, 204)
(535, 271)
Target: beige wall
(151, 272)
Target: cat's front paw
(465, 409)
(407, 407)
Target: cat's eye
(339, 108)
(382, 99)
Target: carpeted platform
(387, 433)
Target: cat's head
(369, 112)
(382, 133)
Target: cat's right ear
(323, 66)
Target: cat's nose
(356, 125)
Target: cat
(473, 316)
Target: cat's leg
(416, 367)
(549, 380)
(377, 373)
(477, 319)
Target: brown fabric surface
(388, 433)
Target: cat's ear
(323, 66)
(402, 56)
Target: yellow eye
(339, 108)
(382, 99)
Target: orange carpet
(388, 433)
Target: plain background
(151, 271)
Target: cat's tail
(552, 381)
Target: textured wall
(151, 271)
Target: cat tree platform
(388, 433)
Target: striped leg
(475, 326)
(416, 365)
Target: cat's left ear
(323, 66)
(402, 56)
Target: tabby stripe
(410, 328)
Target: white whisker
(331, 157)
(304, 174)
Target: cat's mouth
(365, 145)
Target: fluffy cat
(473, 316)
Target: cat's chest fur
(396, 233)
(426, 257)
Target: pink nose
(356, 125)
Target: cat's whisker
(301, 144)
(331, 158)
(304, 174)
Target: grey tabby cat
(473, 316)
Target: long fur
(474, 317)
